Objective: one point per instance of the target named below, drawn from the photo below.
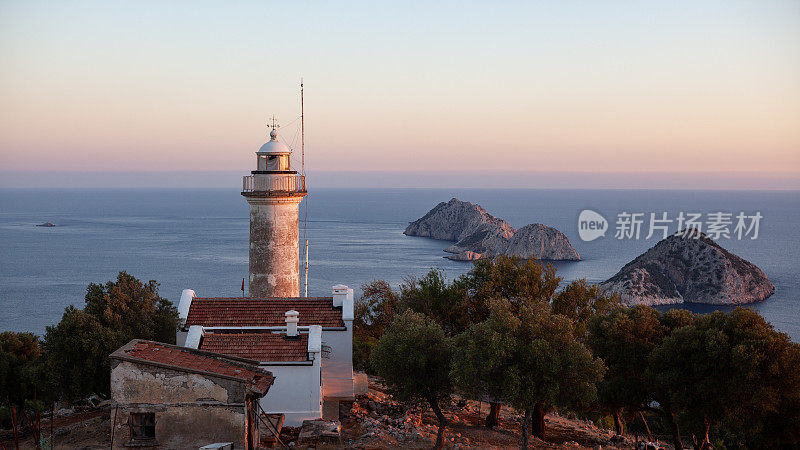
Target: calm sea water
(198, 239)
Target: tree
(374, 313)
(732, 370)
(445, 302)
(520, 281)
(529, 358)
(19, 356)
(581, 303)
(77, 348)
(413, 357)
(480, 364)
(625, 340)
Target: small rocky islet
(689, 268)
(478, 234)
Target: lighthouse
(274, 192)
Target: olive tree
(413, 357)
(530, 359)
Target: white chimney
(183, 305)
(314, 339)
(292, 317)
(343, 297)
(339, 294)
(348, 308)
(194, 336)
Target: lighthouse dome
(273, 146)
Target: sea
(198, 239)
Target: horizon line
(447, 179)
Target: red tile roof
(261, 347)
(198, 361)
(265, 312)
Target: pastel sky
(611, 86)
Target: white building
(255, 329)
(292, 353)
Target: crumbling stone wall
(191, 410)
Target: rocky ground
(375, 421)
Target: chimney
(183, 305)
(292, 317)
(339, 294)
(194, 336)
(343, 297)
(314, 339)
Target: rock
(360, 383)
(320, 430)
(541, 242)
(46, 225)
(479, 234)
(453, 221)
(465, 256)
(685, 269)
(487, 239)
(374, 406)
(65, 412)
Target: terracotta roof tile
(261, 347)
(237, 312)
(195, 361)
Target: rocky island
(689, 270)
(478, 233)
(46, 225)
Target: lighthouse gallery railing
(274, 183)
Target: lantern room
(274, 155)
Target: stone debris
(375, 420)
(320, 431)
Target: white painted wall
(297, 389)
(337, 372)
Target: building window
(143, 426)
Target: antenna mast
(302, 132)
(303, 172)
(306, 271)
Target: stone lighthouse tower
(274, 192)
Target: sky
(708, 90)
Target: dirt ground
(82, 430)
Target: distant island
(46, 224)
(478, 233)
(682, 269)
